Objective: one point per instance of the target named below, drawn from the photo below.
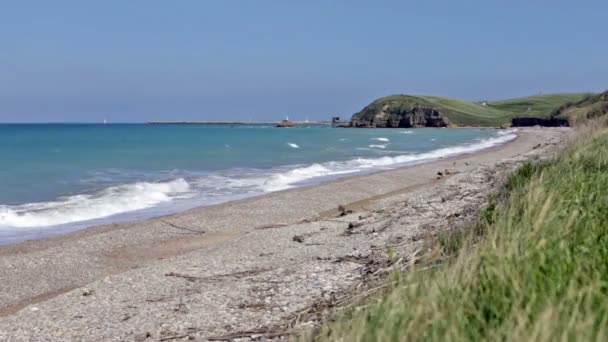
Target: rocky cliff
(534, 121)
(403, 110)
(399, 115)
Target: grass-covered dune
(466, 113)
(534, 268)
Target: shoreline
(19, 235)
(216, 254)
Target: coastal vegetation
(467, 113)
(533, 267)
(590, 107)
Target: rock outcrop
(399, 117)
(534, 121)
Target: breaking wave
(201, 189)
(83, 207)
(282, 181)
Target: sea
(56, 178)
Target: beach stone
(198, 286)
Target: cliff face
(391, 116)
(403, 110)
(533, 121)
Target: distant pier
(232, 123)
(208, 123)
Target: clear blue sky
(138, 60)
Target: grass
(466, 113)
(535, 267)
(538, 105)
(590, 107)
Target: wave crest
(215, 187)
(83, 207)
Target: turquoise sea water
(55, 178)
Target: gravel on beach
(256, 268)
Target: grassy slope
(465, 113)
(590, 107)
(539, 105)
(538, 270)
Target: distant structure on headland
(285, 123)
(336, 121)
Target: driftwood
(258, 333)
(183, 228)
(279, 225)
(219, 277)
(342, 211)
(175, 337)
(270, 226)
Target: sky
(142, 60)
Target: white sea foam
(406, 132)
(292, 145)
(434, 154)
(83, 207)
(507, 131)
(217, 187)
(287, 179)
(380, 139)
(377, 146)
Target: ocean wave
(377, 146)
(286, 180)
(381, 139)
(434, 154)
(282, 181)
(507, 131)
(83, 207)
(204, 189)
(406, 132)
(292, 145)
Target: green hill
(592, 106)
(466, 113)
